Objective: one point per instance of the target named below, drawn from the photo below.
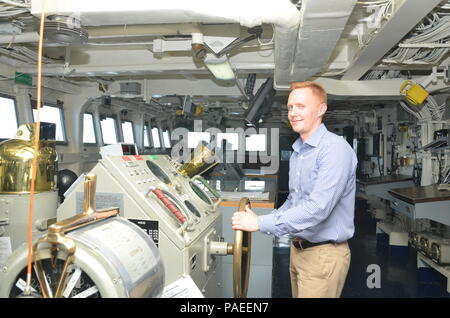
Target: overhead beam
(137, 70)
(387, 89)
(200, 87)
(404, 19)
(376, 89)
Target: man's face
(305, 111)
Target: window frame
(132, 131)
(16, 112)
(168, 137)
(158, 137)
(33, 103)
(113, 116)
(90, 144)
(149, 135)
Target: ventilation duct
(64, 30)
(130, 89)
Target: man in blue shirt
(318, 213)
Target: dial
(201, 194)
(192, 208)
(435, 252)
(158, 172)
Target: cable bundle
(383, 9)
(431, 36)
(430, 110)
(9, 8)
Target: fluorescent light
(220, 67)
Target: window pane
(255, 143)
(194, 138)
(166, 139)
(88, 129)
(51, 114)
(127, 129)
(146, 141)
(8, 123)
(109, 130)
(231, 139)
(155, 137)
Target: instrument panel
(182, 216)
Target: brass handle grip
(58, 241)
(90, 182)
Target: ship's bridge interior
(126, 90)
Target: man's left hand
(245, 221)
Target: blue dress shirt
(322, 183)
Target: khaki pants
(319, 271)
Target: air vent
(64, 30)
(130, 89)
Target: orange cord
(36, 141)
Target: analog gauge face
(424, 243)
(192, 208)
(79, 284)
(435, 252)
(158, 172)
(416, 240)
(201, 194)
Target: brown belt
(303, 244)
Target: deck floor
(399, 275)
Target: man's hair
(316, 89)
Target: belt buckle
(299, 243)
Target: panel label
(150, 227)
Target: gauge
(424, 244)
(200, 193)
(158, 172)
(435, 252)
(192, 208)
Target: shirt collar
(313, 140)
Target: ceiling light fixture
(220, 67)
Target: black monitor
(47, 131)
